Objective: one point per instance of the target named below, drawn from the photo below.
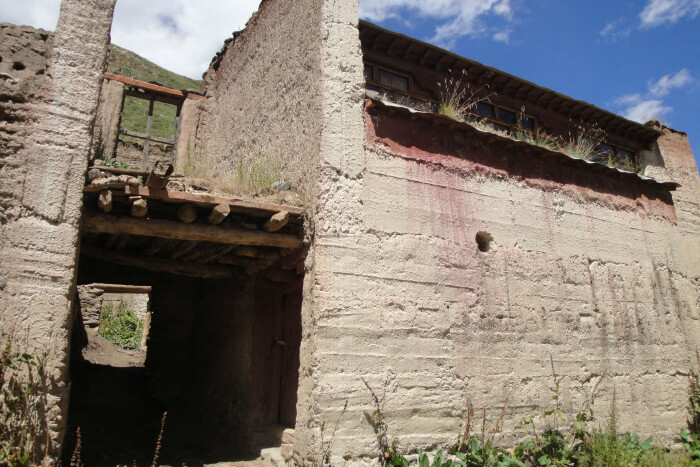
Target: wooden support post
(104, 201)
(139, 208)
(149, 123)
(106, 223)
(218, 214)
(187, 213)
(276, 222)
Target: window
(505, 119)
(386, 78)
(487, 110)
(392, 80)
(369, 72)
(615, 157)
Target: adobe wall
(590, 268)
(47, 120)
(264, 95)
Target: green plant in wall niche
(121, 325)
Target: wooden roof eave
(649, 134)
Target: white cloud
(458, 17)
(180, 35)
(37, 13)
(503, 36)
(668, 82)
(615, 30)
(642, 108)
(657, 12)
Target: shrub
(21, 380)
(121, 325)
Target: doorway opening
(219, 348)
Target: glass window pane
(487, 110)
(606, 149)
(527, 123)
(506, 116)
(369, 72)
(625, 155)
(392, 80)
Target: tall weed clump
(457, 96)
(22, 375)
(121, 325)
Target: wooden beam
(159, 176)
(216, 254)
(145, 137)
(236, 205)
(187, 213)
(276, 222)
(147, 86)
(105, 223)
(207, 271)
(104, 201)
(139, 208)
(219, 213)
(156, 246)
(120, 288)
(186, 248)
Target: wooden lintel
(105, 223)
(236, 205)
(120, 288)
(207, 271)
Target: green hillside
(126, 63)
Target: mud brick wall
(592, 269)
(264, 92)
(45, 133)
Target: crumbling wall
(106, 133)
(262, 119)
(45, 131)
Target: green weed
(121, 325)
(21, 380)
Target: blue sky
(637, 58)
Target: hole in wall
(0, 59)
(483, 241)
(18, 66)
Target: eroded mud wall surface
(264, 93)
(46, 120)
(591, 269)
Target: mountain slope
(126, 63)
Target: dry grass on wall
(251, 176)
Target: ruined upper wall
(262, 121)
